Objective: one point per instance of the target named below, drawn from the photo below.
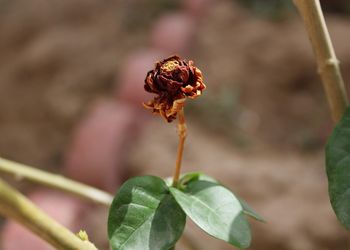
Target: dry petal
(172, 80)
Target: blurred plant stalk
(21, 171)
(16, 206)
(328, 64)
(24, 211)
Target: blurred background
(71, 88)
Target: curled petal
(172, 80)
(177, 106)
(188, 89)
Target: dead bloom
(172, 80)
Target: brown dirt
(58, 57)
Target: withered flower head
(172, 80)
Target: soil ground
(260, 128)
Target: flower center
(169, 65)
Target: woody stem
(182, 132)
(328, 64)
(33, 174)
(16, 206)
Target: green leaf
(338, 169)
(216, 210)
(189, 177)
(196, 176)
(145, 216)
(250, 211)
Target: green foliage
(196, 176)
(215, 210)
(144, 215)
(250, 211)
(148, 214)
(186, 178)
(82, 234)
(338, 169)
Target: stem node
(328, 64)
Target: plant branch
(20, 171)
(182, 132)
(16, 206)
(328, 64)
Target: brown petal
(177, 106)
(173, 79)
(181, 74)
(188, 89)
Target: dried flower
(173, 79)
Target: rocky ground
(70, 92)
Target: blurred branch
(328, 64)
(20, 171)
(16, 206)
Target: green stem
(328, 64)
(21, 171)
(16, 206)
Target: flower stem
(16, 206)
(328, 64)
(20, 171)
(182, 132)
